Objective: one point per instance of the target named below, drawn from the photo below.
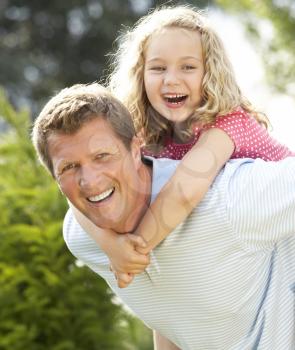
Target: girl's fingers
(137, 240)
(124, 279)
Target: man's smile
(102, 196)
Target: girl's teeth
(175, 98)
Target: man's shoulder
(72, 231)
(233, 167)
(163, 169)
(161, 163)
(70, 226)
(232, 178)
(77, 240)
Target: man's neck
(148, 167)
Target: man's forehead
(97, 130)
(67, 142)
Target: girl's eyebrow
(191, 58)
(154, 59)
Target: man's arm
(162, 343)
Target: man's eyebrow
(100, 149)
(61, 164)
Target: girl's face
(173, 72)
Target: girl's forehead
(161, 35)
(172, 30)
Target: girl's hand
(123, 279)
(120, 249)
(123, 255)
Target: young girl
(173, 74)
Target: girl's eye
(158, 68)
(188, 67)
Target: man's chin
(119, 226)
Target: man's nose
(88, 177)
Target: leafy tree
(56, 43)
(47, 300)
(278, 51)
(47, 45)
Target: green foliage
(47, 45)
(47, 301)
(277, 53)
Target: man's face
(98, 174)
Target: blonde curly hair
(220, 91)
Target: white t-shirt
(225, 278)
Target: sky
(249, 70)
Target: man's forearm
(162, 343)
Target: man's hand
(125, 260)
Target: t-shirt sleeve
(80, 244)
(261, 202)
(235, 125)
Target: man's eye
(101, 155)
(67, 167)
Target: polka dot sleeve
(251, 139)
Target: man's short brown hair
(71, 108)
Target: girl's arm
(120, 249)
(187, 187)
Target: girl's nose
(171, 77)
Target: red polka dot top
(251, 139)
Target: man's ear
(136, 150)
(141, 137)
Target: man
(225, 278)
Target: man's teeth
(101, 196)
